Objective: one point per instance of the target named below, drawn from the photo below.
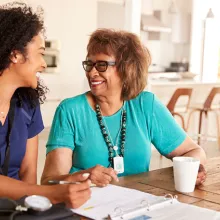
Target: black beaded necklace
(106, 134)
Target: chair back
(211, 96)
(176, 95)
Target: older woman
(21, 60)
(114, 124)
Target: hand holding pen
(52, 182)
(73, 193)
(99, 175)
(69, 180)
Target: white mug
(185, 173)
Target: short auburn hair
(132, 58)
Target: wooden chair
(172, 103)
(204, 109)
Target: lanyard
(107, 137)
(11, 113)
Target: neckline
(109, 116)
(6, 117)
(3, 125)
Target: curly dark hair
(18, 25)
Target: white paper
(112, 199)
(105, 200)
(182, 211)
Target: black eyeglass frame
(107, 63)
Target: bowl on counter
(165, 76)
(187, 75)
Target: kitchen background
(178, 37)
(165, 28)
(173, 31)
(183, 37)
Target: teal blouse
(75, 126)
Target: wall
(110, 15)
(70, 22)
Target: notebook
(115, 202)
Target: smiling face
(28, 68)
(106, 83)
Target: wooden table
(161, 182)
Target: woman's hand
(102, 176)
(99, 175)
(73, 195)
(201, 175)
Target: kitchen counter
(165, 84)
(181, 82)
(169, 79)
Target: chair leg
(200, 127)
(189, 117)
(181, 118)
(206, 125)
(218, 127)
(183, 123)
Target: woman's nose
(93, 72)
(44, 64)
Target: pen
(67, 182)
(90, 207)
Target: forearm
(46, 177)
(198, 153)
(28, 168)
(15, 189)
(189, 149)
(29, 177)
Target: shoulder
(144, 103)
(30, 115)
(72, 104)
(28, 109)
(143, 98)
(146, 96)
(68, 111)
(73, 101)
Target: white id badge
(118, 164)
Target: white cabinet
(180, 25)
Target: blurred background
(183, 37)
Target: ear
(15, 56)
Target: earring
(15, 61)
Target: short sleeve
(36, 125)
(62, 131)
(166, 133)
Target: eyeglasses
(100, 66)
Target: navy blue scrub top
(27, 124)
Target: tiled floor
(157, 162)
